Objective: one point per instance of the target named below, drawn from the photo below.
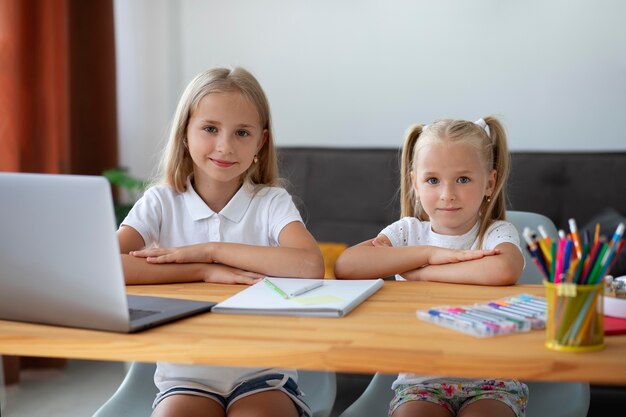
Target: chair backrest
(522, 219)
(374, 401)
(135, 394)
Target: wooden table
(381, 335)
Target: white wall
(352, 73)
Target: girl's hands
(440, 256)
(223, 274)
(199, 258)
(381, 241)
(179, 255)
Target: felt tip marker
(275, 288)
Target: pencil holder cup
(575, 318)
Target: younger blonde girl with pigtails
(452, 229)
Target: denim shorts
(453, 396)
(269, 382)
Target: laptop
(60, 261)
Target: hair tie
(481, 122)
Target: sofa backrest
(568, 185)
(344, 195)
(349, 195)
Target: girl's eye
(242, 133)
(463, 180)
(432, 181)
(210, 129)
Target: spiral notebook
(333, 298)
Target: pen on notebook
(306, 288)
(276, 288)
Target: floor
(79, 389)
(76, 391)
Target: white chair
(134, 396)
(522, 219)
(554, 399)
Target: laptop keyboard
(136, 313)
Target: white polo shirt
(167, 218)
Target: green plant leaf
(120, 178)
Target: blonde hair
(177, 165)
(492, 149)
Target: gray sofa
(349, 195)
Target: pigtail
(496, 208)
(409, 206)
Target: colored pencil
(576, 238)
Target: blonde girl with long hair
(217, 215)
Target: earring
(256, 159)
(488, 199)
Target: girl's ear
(264, 135)
(413, 181)
(491, 182)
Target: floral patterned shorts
(454, 396)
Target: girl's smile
(222, 163)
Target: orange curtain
(57, 86)
(57, 97)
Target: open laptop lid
(60, 255)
